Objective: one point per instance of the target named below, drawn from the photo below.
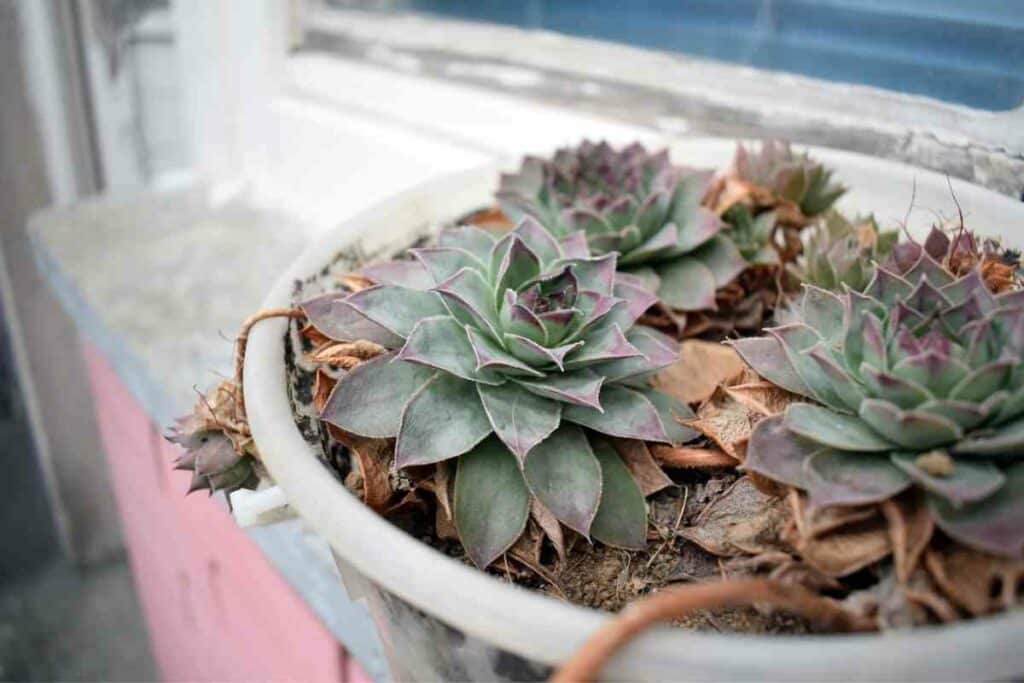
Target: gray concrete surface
(683, 95)
(66, 624)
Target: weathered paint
(215, 608)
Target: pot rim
(543, 628)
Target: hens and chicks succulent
(523, 356)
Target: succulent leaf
(621, 519)
(368, 401)
(850, 478)
(836, 430)
(839, 252)
(625, 413)
(521, 419)
(778, 453)
(440, 342)
(396, 309)
(786, 175)
(329, 315)
(564, 475)
(405, 273)
(967, 483)
(992, 524)
(442, 420)
(672, 412)
(491, 502)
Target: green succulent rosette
(840, 252)
(636, 204)
(916, 382)
(513, 355)
(789, 177)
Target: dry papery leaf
(685, 457)
(346, 355)
(910, 529)
(645, 470)
(549, 524)
(742, 521)
(726, 422)
(221, 411)
(701, 368)
(314, 336)
(975, 581)
(354, 283)
(781, 567)
(664, 319)
(374, 457)
(492, 219)
(729, 414)
(837, 541)
(323, 385)
(761, 397)
(730, 191)
(894, 604)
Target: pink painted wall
(215, 608)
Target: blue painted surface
(965, 51)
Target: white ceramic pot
(444, 620)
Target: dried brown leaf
(549, 524)
(815, 522)
(645, 470)
(323, 385)
(802, 574)
(684, 457)
(846, 550)
(977, 582)
(346, 355)
(354, 283)
(492, 219)
(701, 368)
(315, 336)
(374, 457)
(742, 521)
(411, 503)
(934, 603)
(910, 529)
(763, 398)
(725, 421)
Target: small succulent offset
(637, 204)
(918, 382)
(779, 177)
(841, 252)
(219, 450)
(512, 354)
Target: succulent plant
(637, 204)
(960, 251)
(218, 448)
(840, 252)
(509, 354)
(917, 382)
(778, 175)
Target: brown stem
(243, 339)
(674, 603)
